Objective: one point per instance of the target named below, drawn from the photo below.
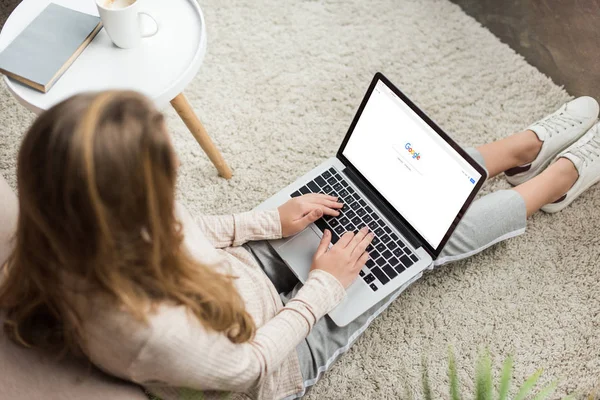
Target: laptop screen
(418, 172)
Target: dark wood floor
(561, 38)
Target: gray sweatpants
(493, 218)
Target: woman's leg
(512, 151)
(273, 266)
(522, 148)
(489, 220)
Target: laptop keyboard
(389, 255)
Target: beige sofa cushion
(28, 374)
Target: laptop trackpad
(299, 251)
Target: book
(48, 46)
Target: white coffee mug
(122, 21)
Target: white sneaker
(585, 155)
(557, 131)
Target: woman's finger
(360, 235)
(362, 246)
(324, 245)
(319, 196)
(345, 239)
(362, 260)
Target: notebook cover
(48, 46)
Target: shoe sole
(554, 208)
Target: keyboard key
(362, 202)
(343, 193)
(360, 212)
(406, 261)
(337, 187)
(393, 261)
(327, 189)
(356, 221)
(370, 263)
(345, 184)
(320, 181)
(344, 221)
(380, 261)
(372, 225)
(398, 252)
(380, 275)
(326, 174)
(356, 196)
(340, 230)
(321, 224)
(313, 187)
(334, 222)
(379, 231)
(350, 214)
(399, 268)
(369, 278)
(414, 258)
(380, 247)
(387, 228)
(375, 241)
(387, 254)
(394, 237)
(304, 190)
(367, 218)
(296, 194)
(385, 239)
(369, 209)
(331, 180)
(376, 217)
(374, 254)
(392, 245)
(391, 272)
(373, 287)
(350, 190)
(361, 273)
(351, 228)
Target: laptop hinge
(385, 210)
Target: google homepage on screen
(409, 164)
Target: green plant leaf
(425, 379)
(505, 378)
(546, 391)
(483, 378)
(528, 385)
(453, 376)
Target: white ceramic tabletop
(160, 68)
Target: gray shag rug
(278, 89)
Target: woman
(106, 264)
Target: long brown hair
(96, 181)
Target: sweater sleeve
(234, 230)
(182, 353)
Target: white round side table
(161, 67)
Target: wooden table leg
(189, 117)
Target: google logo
(412, 151)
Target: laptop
(398, 173)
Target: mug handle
(145, 35)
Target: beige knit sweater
(174, 353)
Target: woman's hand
(299, 212)
(346, 258)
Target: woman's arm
(290, 218)
(234, 230)
(181, 353)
